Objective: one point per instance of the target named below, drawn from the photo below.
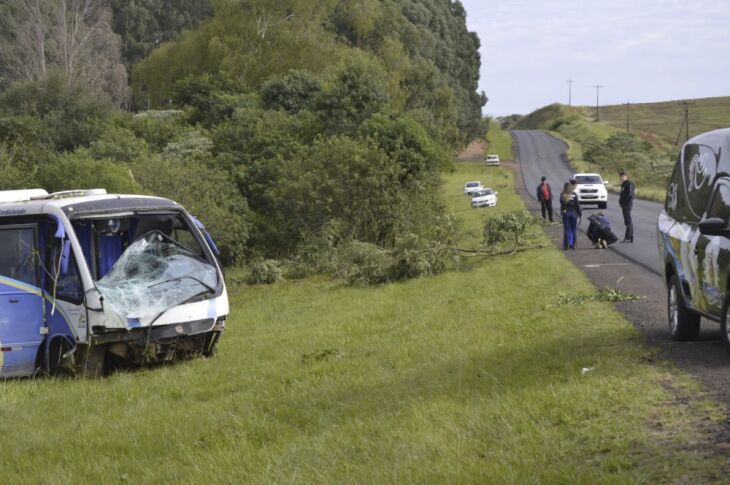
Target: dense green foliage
(279, 124)
(145, 24)
(426, 58)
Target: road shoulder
(706, 359)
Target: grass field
(664, 122)
(471, 376)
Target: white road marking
(607, 264)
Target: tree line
(278, 122)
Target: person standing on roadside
(574, 188)
(626, 201)
(570, 211)
(545, 196)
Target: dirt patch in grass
(474, 152)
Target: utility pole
(627, 116)
(686, 119)
(598, 88)
(685, 122)
(570, 91)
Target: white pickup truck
(591, 189)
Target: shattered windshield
(152, 275)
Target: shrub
(69, 116)
(157, 128)
(507, 227)
(414, 257)
(14, 175)
(207, 193)
(364, 263)
(79, 170)
(193, 146)
(293, 92)
(264, 272)
(118, 144)
(317, 253)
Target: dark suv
(694, 236)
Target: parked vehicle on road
(484, 198)
(470, 188)
(694, 236)
(90, 281)
(491, 160)
(591, 189)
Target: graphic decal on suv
(699, 168)
(711, 273)
(699, 173)
(673, 196)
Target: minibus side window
(67, 286)
(186, 239)
(17, 255)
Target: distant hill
(665, 120)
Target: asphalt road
(541, 154)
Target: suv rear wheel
(683, 324)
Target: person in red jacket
(545, 196)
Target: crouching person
(599, 231)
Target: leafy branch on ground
(607, 293)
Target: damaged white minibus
(91, 281)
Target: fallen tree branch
(516, 249)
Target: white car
(492, 160)
(591, 189)
(471, 187)
(484, 198)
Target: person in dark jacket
(570, 211)
(626, 201)
(545, 196)
(599, 231)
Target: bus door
(21, 300)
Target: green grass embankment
(663, 122)
(499, 141)
(472, 376)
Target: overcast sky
(639, 50)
